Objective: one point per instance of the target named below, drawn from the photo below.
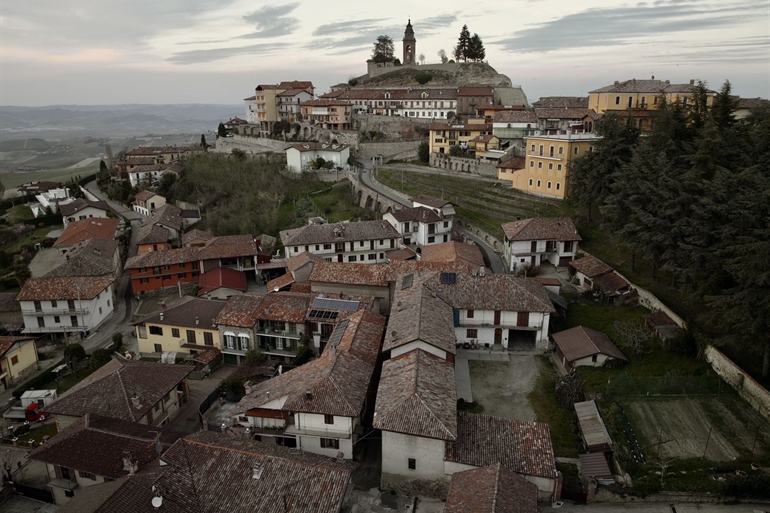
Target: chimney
(197, 320)
(309, 395)
(132, 467)
(161, 316)
(135, 401)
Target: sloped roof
(58, 289)
(91, 228)
(580, 342)
(229, 246)
(491, 489)
(523, 447)
(430, 201)
(303, 258)
(337, 381)
(513, 163)
(97, 444)
(120, 390)
(541, 228)
(193, 234)
(152, 233)
(590, 266)
(453, 251)
(568, 113)
(515, 116)
(555, 102)
(418, 214)
(93, 257)
(167, 215)
(283, 306)
(338, 232)
(212, 473)
(376, 275)
(160, 258)
(79, 204)
(282, 281)
(401, 254)
(186, 311)
(91, 499)
(417, 396)
(502, 292)
(239, 311)
(7, 343)
(592, 426)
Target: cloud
(272, 21)
(216, 54)
(331, 29)
(623, 25)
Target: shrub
(353, 82)
(255, 357)
(423, 151)
(74, 352)
(99, 358)
(233, 389)
(423, 77)
(117, 340)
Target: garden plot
(692, 428)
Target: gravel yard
(502, 387)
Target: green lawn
(16, 178)
(19, 213)
(548, 410)
(28, 239)
(336, 204)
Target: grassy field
(486, 203)
(15, 178)
(548, 410)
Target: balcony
(318, 432)
(56, 311)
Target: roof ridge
(125, 392)
(422, 402)
(497, 485)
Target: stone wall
(365, 197)
(748, 388)
(389, 150)
(484, 235)
(475, 166)
(394, 127)
(251, 145)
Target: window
(577, 150)
(593, 358)
(38, 306)
(412, 464)
(191, 336)
(327, 246)
(531, 163)
(328, 419)
(471, 333)
(372, 256)
(470, 314)
(100, 310)
(590, 149)
(541, 149)
(550, 165)
(558, 186)
(181, 266)
(352, 258)
(156, 330)
(175, 332)
(382, 255)
(87, 475)
(540, 165)
(431, 240)
(568, 244)
(317, 247)
(56, 319)
(144, 281)
(14, 360)
(330, 443)
(532, 148)
(548, 185)
(158, 348)
(446, 224)
(208, 338)
(630, 102)
(230, 341)
(558, 167)
(108, 302)
(53, 304)
(244, 342)
(561, 150)
(530, 182)
(538, 183)
(181, 276)
(617, 100)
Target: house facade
(50, 198)
(532, 242)
(299, 156)
(18, 359)
(151, 175)
(146, 202)
(80, 209)
(420, 226)
(290, 103)
(407, 101)
(328, 114)
(67, 304)
(157, 270)
(185, 327)
(362, 241)
(445, 135)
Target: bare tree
(422, 58)
(633, 337)
(442, 56)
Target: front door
(339, 258)
(498, 336)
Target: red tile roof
(281, 282)
(590, 266)
(541, 228)
(376, 275)
(475, 91)
(453, 251)
(503, 292)
(6, 343)
(92, 228)
(400, 254)
(522, 447)
(283, 306)
(303, 258)
(581, 342)
(161, 258)
(417, 396)
(491, 489)
(515, 116)
(240, 311)
(62, 289)
(417, 214)
(338, 232)
(222, 277)
(513, 163)
(79, 204)
(430, 201)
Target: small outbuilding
(583, 346)
(593, 432)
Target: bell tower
(410, 44)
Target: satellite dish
(276, 289)
(157, 502)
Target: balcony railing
(56, 311)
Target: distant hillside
(470, 73)
(57, 121)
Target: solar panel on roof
(336, 304)
(339, 330)
(448, 278)
(323, 314)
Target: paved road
(495, 260)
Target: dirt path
(502, 387)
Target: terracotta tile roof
(94, 257)
(594, 465)
(91, 499)
(290, 93)
(97, 444)
(143, 196)
(417, 396)
(472, 127)
(430, 201)
(277, 284)
(491, 489)
(376, 275)
(483, 138)
(502, 292)
(222, 277)
(298, 261)
(453, 251)
(6, 343)
(611, 282)
(58, 289)
(338, 232)
(303, 288)
(515, 116)
(297, 84)
(189, 312)
(569, 113)
(190, 236)
(418, 214)
(634, 86)
(207, 356)
(230, 246)
(522, 447)
(513, 163)
(152, 233)
(553, 282)
(79, 204)
(542, 228)
(132, 160)
(92, 228)
(240, 311)
(557, 102)
(121, 390)
(283, 306)
(209, 463)
(580, 342)
(337, 381)
(475, 91)
(161, 258)
(167, 215)
(315, 146)
(590, 266)
(401, 254)
(418, 315)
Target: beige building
(546, 166)
(18, 358)
(187, 327)
(328, 114)
(445, 135)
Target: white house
(290, 103)
(299, 156)
(50, 198)
(531, 242)
(82, 209)
(150, 174)
(362, 241)
(440, 206)
(581, 346)
(66, 305)
(420, 225)
(146, 202)
(319, 406)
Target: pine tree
(476, 51)
(221, 132)
(383, 49)
(463, 44)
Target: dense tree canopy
(383, 49)
(469, 48)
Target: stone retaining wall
(251, 145)
(748, 388)
(475, 166)
(389, 150)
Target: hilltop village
(452, 346)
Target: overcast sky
(217, 51)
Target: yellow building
(547, 161)
(18, 358)
(637, 98)
(445, 135)
(185, 327)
